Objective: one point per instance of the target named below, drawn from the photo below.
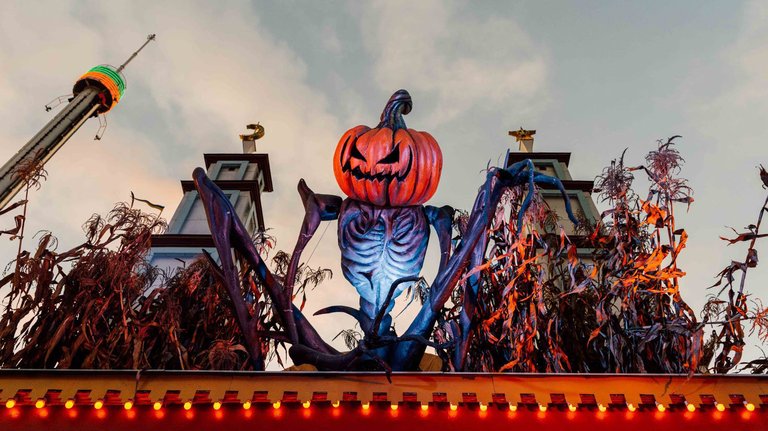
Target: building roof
(519, 156)
(260, 159)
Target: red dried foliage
(76, 308)
(101, 305)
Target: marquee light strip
(41, 403)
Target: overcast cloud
(593, 79)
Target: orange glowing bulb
(365, 406)
(335, 404)
(247, 405)
(216, 405)
(40, 403)
(128, 405)
(542, 408)
(69, 403)
(571, 407)
(10, 403)
(157, 405)
(276, 404)
(306, 404)
(425, 407)
(483, 407)
(661, 407)
(720, 407)
(749, 406)
(454, 407)
(631, 407)
(601, 407)
(691, 407)
(188, 405)
(512, 408)
(98, 404)
(393, 406)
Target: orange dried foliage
(546, 306)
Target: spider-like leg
(408, 354)
(317, 208)
(529, 173)
(464, 333)
(540, 178)
(441, 220)
(365, 322)
(470, 251)
(229, 233)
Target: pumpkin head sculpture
(389, 165)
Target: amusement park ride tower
(94, 93)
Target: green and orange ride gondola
(104, 77)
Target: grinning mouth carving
(391, 158)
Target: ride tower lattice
(94, 93)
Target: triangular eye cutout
(355, 153)
(392, 157)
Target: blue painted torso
(378, 246)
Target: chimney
(249, 140)
(524, 139)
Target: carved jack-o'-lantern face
(389, 165)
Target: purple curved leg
(470, 250)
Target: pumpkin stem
(398, 105)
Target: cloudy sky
(592, 77)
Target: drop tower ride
(94, 93)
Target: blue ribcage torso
(378, 246)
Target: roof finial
(258, 132)
(249, 140)
(524, 138)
